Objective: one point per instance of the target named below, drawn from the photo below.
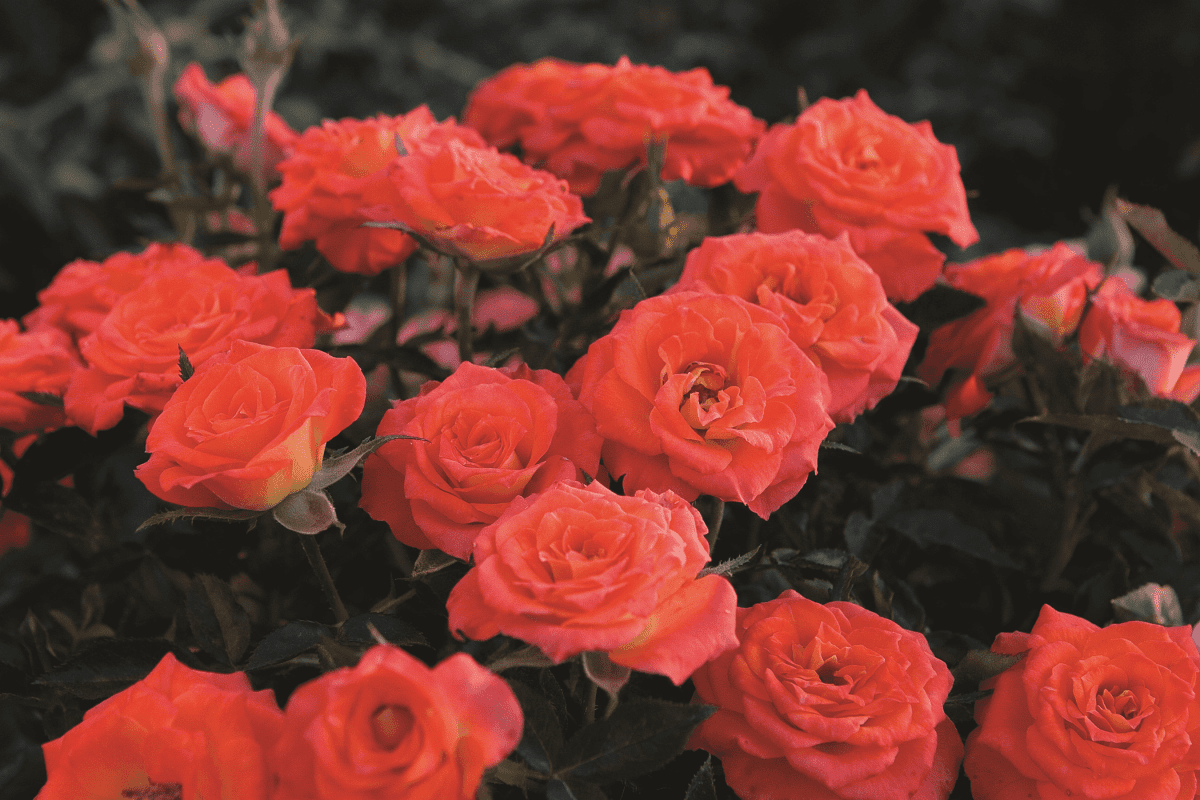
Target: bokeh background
(1048, 101)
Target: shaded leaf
(529, 656)
(928, 527)
(573, 790)
(1149, 602)
(979, 665)
(186, 370)
(431, 561)
(702, 786)
(1177, 418)
(286, 643)
(542, 737)
(219, 624)
(43, 398)
(334, 469)
(1177, 285)
(939, 305)
(231, 515)
(396, 631)
(1150, 223)
(732, 565)
(1110, 426)
(106, 667)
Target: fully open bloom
(832, 302)
(828, 702)
(578, 120)
(392, 727)
(222, 114)
(847, 166)
(1049, 289)
(474, 202)
(492, 435)
(1141, 337)
(36, 362)
(176, 734)
(250, 427)
(1089, 712)
(579, 568)
(326, 173)
(698, 392)
(133, 355)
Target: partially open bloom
(35, 368)
(176, 734)
(579, 568)
(579, 120)
(832, 302)
(828, 702)
(392, 727)
(222, 115)
(847, 166)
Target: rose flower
(38, 361)
(831, 300)
(175, 734)
(1089, 712)
(579, 120)
(705, 393)
(492, 435)
(847, 166)
(579, 568)
(250, 427)
(828, 702)
(391, 727)
(326, 173)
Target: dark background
(1048, 101)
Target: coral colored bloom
(250, 427)
(222, 115)
(1049, 289)
(492, 435)
(475, 202)
(831, 300)
(178, 733)
(1142, 338)
(847, 166)
(37, 361)
(579, 120)
(327, 172)
(391, 727)
(705, 393)
(828, 702)
(579, 568)
(1089, 712)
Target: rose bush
(832, 302)
(177, 734)
(579, 120)
(579, 568)
(1089, 712)
(391, 727)
(705, 393)
(41, 362)
(828, 702)
(846, 166)
(250, 427)
(491, 436)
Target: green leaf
(218, 622)
(979, 665)
(396, 631)
(940, 527)
(702, 786)
(283, 644)
(107, 667)
(231, 515)
(572, 790)
(186, 370)
(337, 467)
(1177, 285)
(939, 305)
(732, 565)
(542, 738)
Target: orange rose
(832, 302)
(222, 115)
(579, 568)
(41, 361)
(250, 427)
(393, 727)
(327, 172)
(846, 166)
(177, 733)
(579, 120)
(133, 356)
(492, 435)
(697, 392)
(475, 202)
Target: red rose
(493, 435)
(1049, 289)
(579, 120)
(579, 568)
(1142, 338)
(697, 392)
(40, 361)
(250, 427)
(474, 202)
(391, 727)
(846, 166)
(828, 702)
(176, 734)
(326, 174)
(222, 116)
(133, 356)
(1089, 712)
(832, 302)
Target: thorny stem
(313, 551)
(589, 713)
(398, 284)
(713, 514)
(464, 305)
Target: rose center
(707, 389)
(1117, 710)
(391, 724)
(866, 157)
(155, 791)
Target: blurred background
(1048, 101)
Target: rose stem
(716, 512)
(589, 714)
(464, 304)
(313, 551)
(399, 290)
